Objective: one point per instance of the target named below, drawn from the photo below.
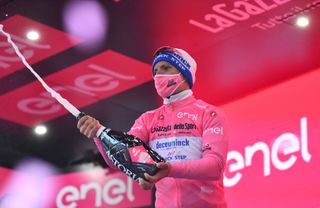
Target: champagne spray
(127, 152)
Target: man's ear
(184, 78)
(186, 81)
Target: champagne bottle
(128, 153)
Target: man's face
(163, 67)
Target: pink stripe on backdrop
(82, 84)
(95, 188)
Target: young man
(187, 132)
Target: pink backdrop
(274, 146)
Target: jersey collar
(180, 96)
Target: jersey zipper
(170, 106)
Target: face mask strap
(178, 85)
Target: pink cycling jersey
(189, 134)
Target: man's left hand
(164, 169)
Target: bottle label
(139, 154)
(123, 168)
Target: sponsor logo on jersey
(174, 143)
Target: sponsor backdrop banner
(95, 188)
(274, 150)
(84, 83)
(273, 159)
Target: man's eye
(166, 67)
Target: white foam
(71, 108)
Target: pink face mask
(166, 84)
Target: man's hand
(88, 126)
(163, 172)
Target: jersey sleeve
(98, 143)
(214, 151)
(139, 128)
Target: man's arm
(89, 126)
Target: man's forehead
(160, 63)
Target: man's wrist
(99, 130)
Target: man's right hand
(88, 126)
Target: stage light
(33, 35)
(302, 21)
(40, 130)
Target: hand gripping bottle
(128, 153)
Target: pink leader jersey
(190, 135)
